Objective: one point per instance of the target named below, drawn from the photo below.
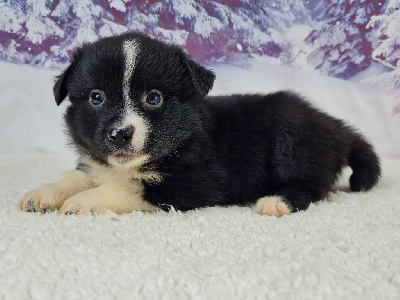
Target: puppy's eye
(154, 99)
(96, 97)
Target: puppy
(149, 138)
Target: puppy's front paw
(108, 197)
(46, 198)
(84, 203)
(272, 206)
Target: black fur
(212, 150)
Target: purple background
(340, 38)
(347, 34)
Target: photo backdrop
(343, 54)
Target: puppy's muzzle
(121, 137)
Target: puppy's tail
(365, 164)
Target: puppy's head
(131, 96)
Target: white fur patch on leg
(116, 195)
(51, 196)
(272, 206)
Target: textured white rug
(347, 246)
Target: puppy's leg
(119, 197)
(289, 199)
(273, 206)
(51, 196)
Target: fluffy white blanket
(347, 246)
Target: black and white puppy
(148, 138)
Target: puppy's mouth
(122, 158)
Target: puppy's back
(287, 133)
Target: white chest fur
(127, 174)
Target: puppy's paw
(272, 206)
(82, 204)
(46, 198)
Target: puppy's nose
(121, 137)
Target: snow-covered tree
(213, 30)
(387, 26)
(46, 31)
(83, 21)
(11, 17)
(26, 27)
(339, 41)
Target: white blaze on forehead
(131, 50)
(130, 117)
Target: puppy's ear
(60, 89)
(202, 78)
